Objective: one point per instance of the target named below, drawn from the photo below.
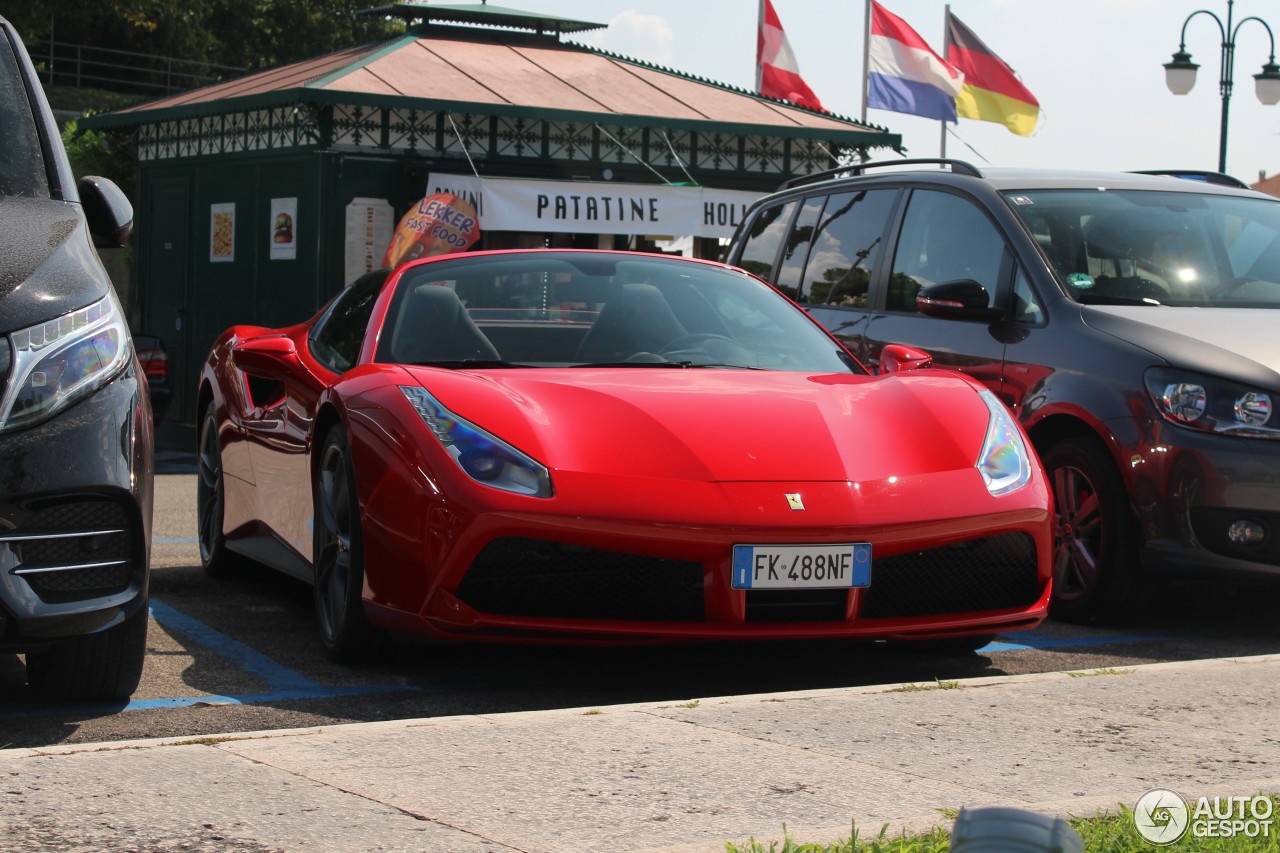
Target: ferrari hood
(723, 425)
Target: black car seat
(434, 326)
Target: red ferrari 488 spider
(607, 446)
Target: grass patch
(1109, 670)
(593, 712)
(210, 740)
(1112, 832)
(692, 703)
(916, 688)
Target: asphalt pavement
(684, 776)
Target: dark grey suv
(1131, 321)
(75, 417)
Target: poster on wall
(284, 223)
(222, 232)
(439, 224)
(369, 226)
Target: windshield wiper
(1090, 298)
(679, 365)
(467, 363)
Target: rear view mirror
(896, 358)
(108, 211)
(272, 357)
(963, 299)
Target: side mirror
(108, 211)
(963, 299)
(272, 357)
(896, 358)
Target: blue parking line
(283, 684)
(1023, 640)
(250, 660)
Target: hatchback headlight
(1005, 461)
(483, 456)
(1210, 404)
(56, 363)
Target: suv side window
(847, 247)
(796, 252)
(944, 238)
(337, 338)
(764, 239)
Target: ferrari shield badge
(794, 500)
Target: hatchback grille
(517, 576)
(995, 573)
(72, 549)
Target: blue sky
(1094, 65)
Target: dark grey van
(1131, 321)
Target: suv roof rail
(1196, 175)
(958, 166)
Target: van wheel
(1095, 552)
(95, 667)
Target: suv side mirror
(108, 211)
(963, 299)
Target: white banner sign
(510, 204)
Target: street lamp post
(1180, 74)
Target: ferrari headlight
(1211, 404)
(58, 362)
(1005, 461)
(483, 456)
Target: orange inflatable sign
(440, 224)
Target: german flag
(992, 91)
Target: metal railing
(86, 66)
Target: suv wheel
(1094, 551)
(102, 666)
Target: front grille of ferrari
(995, 573)
(71, 549)
(515, 576)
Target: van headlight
(55, 363)
(1211, 404)
(1005, 461)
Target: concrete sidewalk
(682, 776)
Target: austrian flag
(777, 74)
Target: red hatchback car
(606, 446)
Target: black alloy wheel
(210, 500)
(339, 555)
(1094, 551)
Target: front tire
(105, 666)
(338, 554)
(1095, 551)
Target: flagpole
(759, 65)
(866, 59)
(942, 124)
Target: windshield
(568, 309)
(21, 166)
(1158, 248)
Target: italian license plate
(801, 566)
